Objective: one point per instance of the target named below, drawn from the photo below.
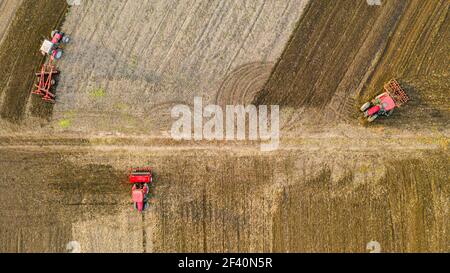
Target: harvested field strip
(243, 84)
(147, 55)
(223, 202)
(20, 56)
(256, 204)
(7, 11)
(216, 208)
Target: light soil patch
(122, 232)
(147, 55)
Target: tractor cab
(382, 105)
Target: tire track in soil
(247, 35)
(186, 21)
(205, 30)
(144, 235)
(96, 41)
(321, 72)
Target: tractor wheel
(65, 39)
(372, 118)
(365, 106)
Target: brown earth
(333, 185)
(418, 55)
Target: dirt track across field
(20, 57)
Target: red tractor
(385, 103)
(53, 47)
(141, 179)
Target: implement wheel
(365, 106)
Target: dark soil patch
(343, 53)
(405, 212)
(42, 195)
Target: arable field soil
(205, 200)
(342, 53)
(20, 57)
(418, 55)
(43, 194)
(127, 68)
(7, 11)
(334, 184)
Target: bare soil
(127, 68)
(33, 21)
(341, 54)
(206, 199)
(333, 186)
